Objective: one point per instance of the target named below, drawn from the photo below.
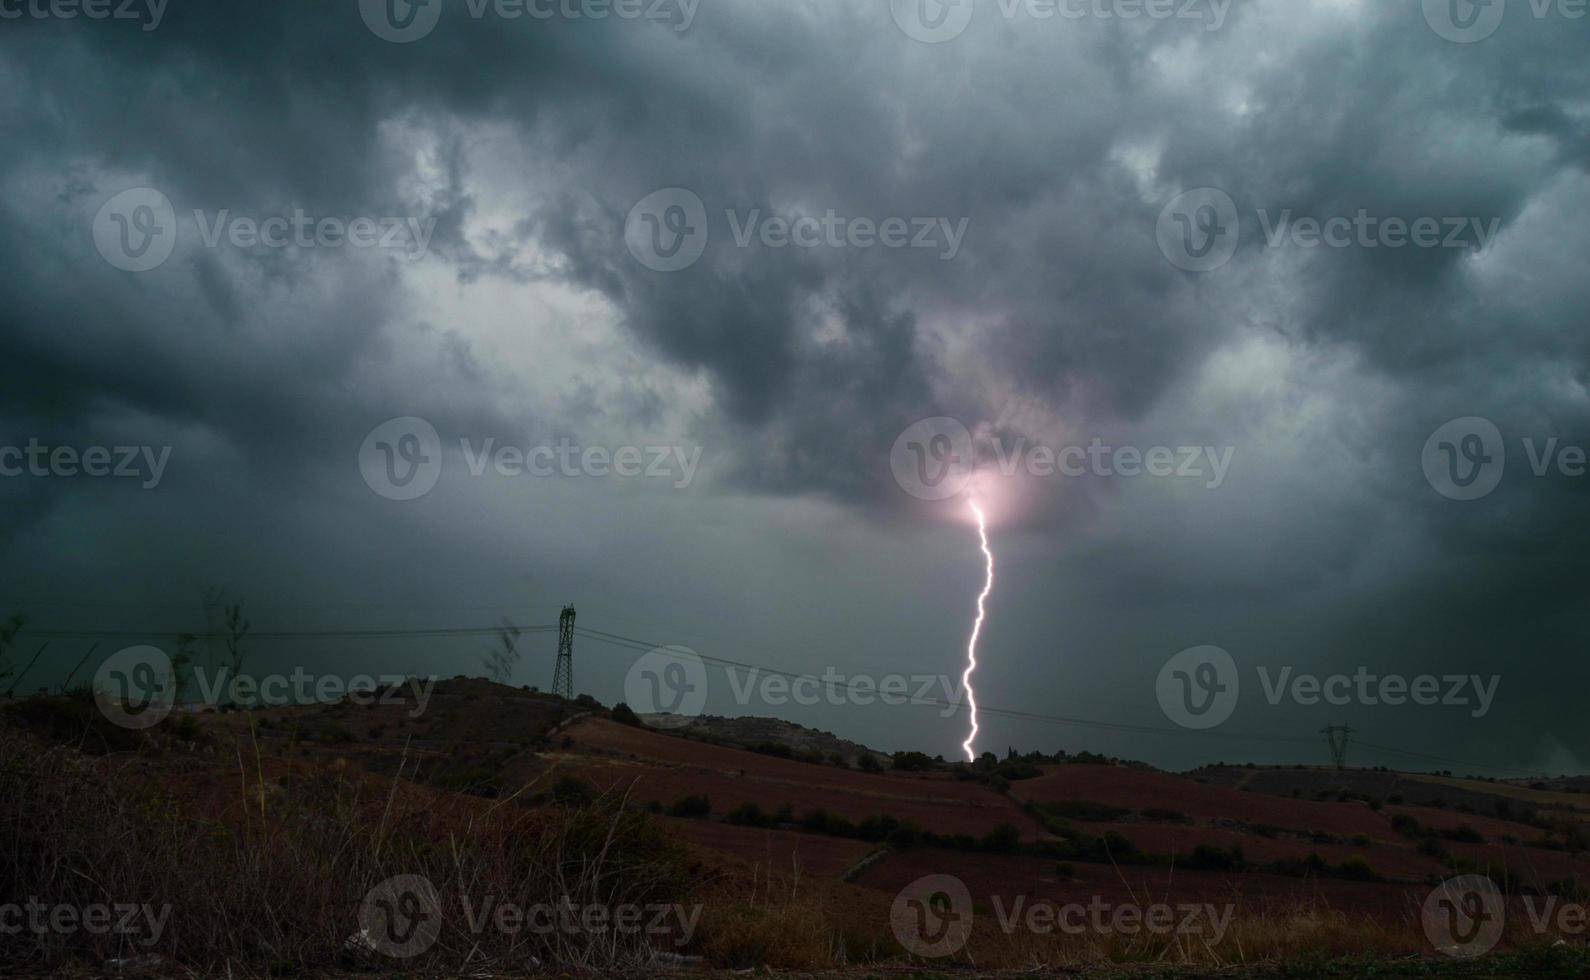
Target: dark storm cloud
(1056, 142)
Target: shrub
(1087, 811)
(625, 715)
(570, 789)
(1003, 839)
(691, 806)
(749, 814)
(1357, 868)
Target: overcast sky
(1104, 228)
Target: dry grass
(276, 880)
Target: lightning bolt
(977, 629)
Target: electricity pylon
(1336, 737)
(563, 673)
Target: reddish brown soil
(1140, 789)
(780, 850)
(665, 768)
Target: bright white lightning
(977, 629)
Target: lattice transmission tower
(563, 673)
(1336, 737)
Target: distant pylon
(563, 673)
(1336, 737)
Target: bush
(1087, 811)
(1430, 847)
(571, 790)
(625, 715)
(1003, 839)
(869, 763)
(1357, 868)
(1206, 857)
(691, 806)
(749, 814)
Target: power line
(295, 634)
(631, 643)
(613, 639)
